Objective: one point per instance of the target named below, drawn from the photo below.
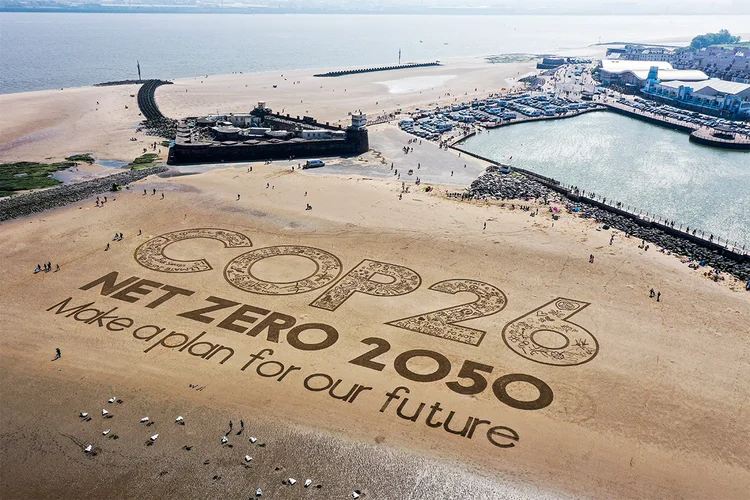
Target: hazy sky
(578, 6)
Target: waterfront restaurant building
(636, 73)
(714, 96)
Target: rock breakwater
(39, 201)
(520, 186)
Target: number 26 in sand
(544, 335)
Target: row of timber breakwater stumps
(380, 68)
(523, 184)
(155, 122)
(262, 134)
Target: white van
(314, 164)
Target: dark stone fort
(264, 135)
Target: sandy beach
(411, 346)
(56, 123)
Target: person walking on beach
(238, 197)
(162, 196)
(651, 294)
(658, 297)
(58, 354)
(484, 227)
(591, 258)
(107, 247)
(611, 239)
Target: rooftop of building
(622, 65)
(722, 86)
(667, 75)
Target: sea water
(651, 168)
(53, 50)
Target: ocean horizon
(42, 51)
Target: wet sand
(663, 399)
(648, 399)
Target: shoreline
(551, 183)
(530, 260)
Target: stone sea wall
(524, 185)
(39, 201)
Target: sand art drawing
(239, 270)
(151, 253)
(441, 323)
(525, 335)
(367, 277)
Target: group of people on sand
(100, 201)
(153, 192)
(45, 268)
(120, 237)
(653, 294)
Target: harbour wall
(695, 137)
(652, 228)
(650, 119)
(356, 143)
(526, 119)
(707, 141)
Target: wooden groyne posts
(372, 70)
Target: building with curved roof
(636, 73)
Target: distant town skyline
(551, 7)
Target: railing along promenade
(640, 217)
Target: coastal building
(551, 63)
(645, 53)
(636, 73)
(728, 62)
(714, 96)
